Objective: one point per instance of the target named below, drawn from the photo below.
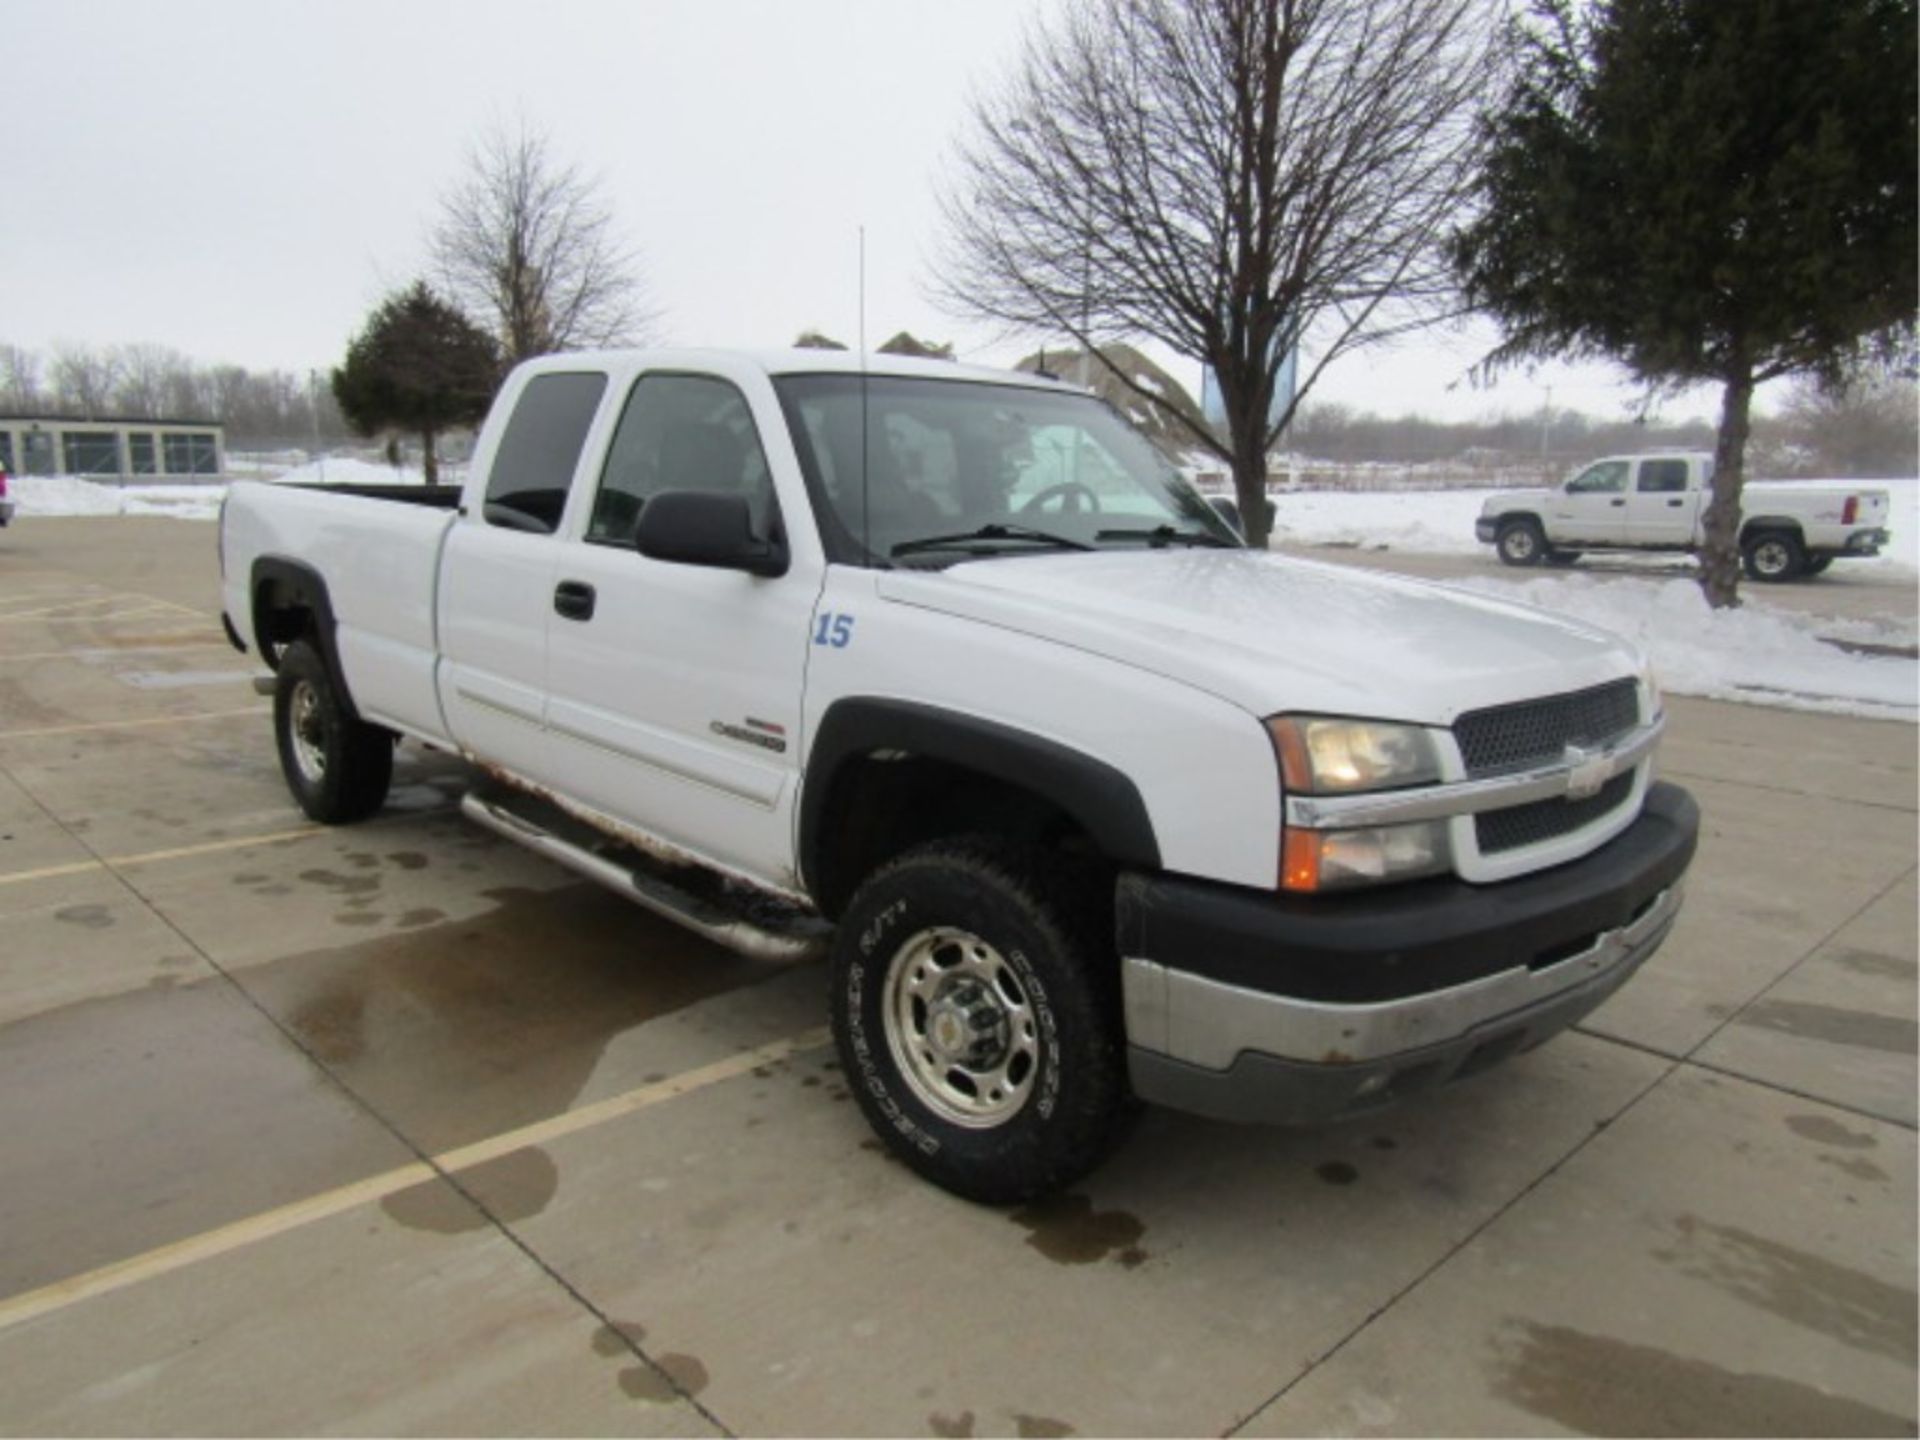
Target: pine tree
(418, 365)
(1714, 191)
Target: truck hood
(1273, 633)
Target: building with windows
(110, 449)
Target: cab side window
(527, 486)
(1607, 478)
(1663, 477)
(681, 432)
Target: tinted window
(1608, 477)
(680, 432)
(527, 488)
(1663, 477)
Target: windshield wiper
(1161, 535)
(987, 532)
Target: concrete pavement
(398, 1129)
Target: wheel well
(290, 602)
(1515, 517)
(888, 802)
(1771, 525)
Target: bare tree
(20, 391)
(140, 390)
(83, 380)
(1233, 178)
(528, 245)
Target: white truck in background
(944, 669)
(1659, 502)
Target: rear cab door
(1591, 508)
(497, 573)
(1664, 501)
(674, 690)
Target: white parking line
(181, 1253)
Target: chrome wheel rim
(1770, 557)
(1519, 544)
(961, 1028)
(307, 732)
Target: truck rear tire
(1773, 556)
(337, 767)
(976, 1006)
(1521, 542)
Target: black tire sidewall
(1071, 1113)
(358, 756)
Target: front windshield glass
(959, 468)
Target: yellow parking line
(151, 645)
(74, 1289)
(130, 724)
(149, 857)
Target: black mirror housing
(694, 527)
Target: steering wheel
(1071, 492)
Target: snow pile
(38, 495)
(1436, 522)
(1755, 654)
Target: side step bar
(784, 937)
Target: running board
(782, 932)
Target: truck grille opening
(1537, 732)
(1518, 825)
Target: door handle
(1675, 504)
(573, 600)
(1616, 503)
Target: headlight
(1327, 755)
(1654, 700)
(1321, 755)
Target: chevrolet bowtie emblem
(1588, 771)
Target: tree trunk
(1720, 550)
(429, 462)
(1250, 490)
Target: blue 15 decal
(834, 630)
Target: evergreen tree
(1714, 191)
(418, 365)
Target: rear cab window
(534, 465)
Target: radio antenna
(866, 523)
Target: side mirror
(692, 527)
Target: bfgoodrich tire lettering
(338, 768)
(998, 1069)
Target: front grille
(1537, 732)
(1518, 825)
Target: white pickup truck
(1658, 502)
(942, 669)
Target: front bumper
(1246, 1006)
(1485, 530)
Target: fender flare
(295, 584)
(1785, 524)
(1101, 799)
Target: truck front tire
(977, 1012)
(1521, 542)
(337, 767)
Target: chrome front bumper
(1199, 1045)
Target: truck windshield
(954, 468)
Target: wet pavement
(396, 1128)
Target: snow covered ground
(1758, 654)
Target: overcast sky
(242, 180)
